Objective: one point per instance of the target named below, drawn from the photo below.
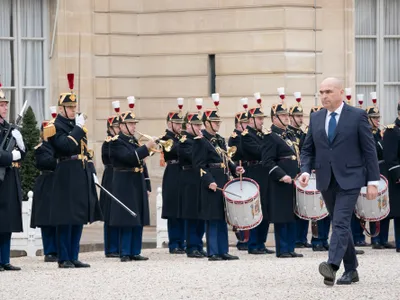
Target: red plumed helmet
(70, 77)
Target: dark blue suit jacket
(351, 156)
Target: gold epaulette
(183, 139)
(37, 146)
(49, 130)
(390, 126)
(267, 131)
(114, 138)
(234, 135)
(108, 139)
(198, 137)
(245, 132)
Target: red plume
(70, 77)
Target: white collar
(338, 111)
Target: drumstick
(240, 175)
(233, 194)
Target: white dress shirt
(338, 112)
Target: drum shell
(246, 213)
(259, 174)
(374, 210)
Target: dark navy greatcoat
(280, 158)
(210, 163)
(189, 180)
(46, 163)
(170, 183)
(74, 193)
(10, 190)
(129, 182)
(106, 181)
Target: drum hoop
(301, 190)
(241, 202)
(372, 219)
(245, 227)
(311, 218)
(308, 192)
(381, 192)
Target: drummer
(215, 168)
(252, 139)
(380, 241)
(241, 121)
(296, 121)
(320, 243)
(281, 159)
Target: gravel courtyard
(166, 276)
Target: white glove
(18, 138)
(80, 120)
(96, 180)
(16, 155)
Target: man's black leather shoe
(362, 244)
(195, 254)
(177, 251)
(125, 258)
(389, 246)
(9, 267)
(1, 269)
(79, 264)
(377, 246)
(215, 258)
(285, 255)
(327, 271)
(359, 252)
(267, 251)
(318, 248)
(50, 258)
(256, 252)
(227, 256)
(294, 254)
(66, 265)
(348, 277)
(139, 257)
(204, 253)
(112, 255)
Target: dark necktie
(332, 126)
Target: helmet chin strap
(372, 123)
(294, 120)
(194, 132)
(126, 126)
(211, 125)
(255, 125)
(280, 121)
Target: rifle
(8, 142)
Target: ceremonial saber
(241, 179)
(96, 181)
(233, 194)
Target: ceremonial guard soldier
(170, 192)
(380, 241)
(241, 121)
(391, 155)
(10, 185)
(210, 156)
(74, 196)
(189, 187)
(130, 187)
(111, 234)
(46, 163)
(251, 142)
(320, 242)
(280, 156)
(296, 121)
